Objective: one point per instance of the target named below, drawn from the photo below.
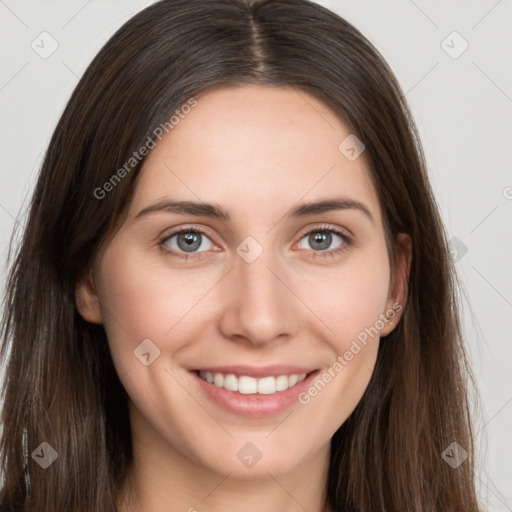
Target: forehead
(254, 147)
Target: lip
(253, 405)
(257, 371)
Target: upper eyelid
(185, 228)
(343, 231)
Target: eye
(188, 243)
(321, 240)
(185, 242)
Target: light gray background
(462, 106)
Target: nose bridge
(261, 307)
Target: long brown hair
(61, 386)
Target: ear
(86, 298)
(399, 283)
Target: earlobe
(86, 299)
(399, 285)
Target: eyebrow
(202, 209)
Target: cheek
(351, 299)
(138, 302)
(354, 345)
(145, 289)
(351, 303)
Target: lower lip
(254, 405)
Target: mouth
(247, 385)
(253, 392)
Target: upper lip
(257, 371)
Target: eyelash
(347, 241)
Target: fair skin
(257, 152)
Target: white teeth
(282, 383)
(249, 385)
(267, 386)
(231, 383)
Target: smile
(250, 385)
(253, 391)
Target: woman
(233, 290)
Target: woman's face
(254, 299)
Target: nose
(261, 306)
